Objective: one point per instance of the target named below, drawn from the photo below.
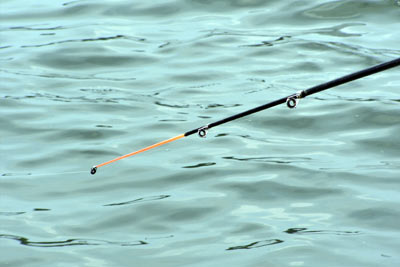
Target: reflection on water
(81, 40)
(283, 160)
(302, 231)
(11, 213)
(257, 244)
(69, 242)
(138, 200)
(204, 164)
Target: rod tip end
(93, 170)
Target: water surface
(86, 81)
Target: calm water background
(83, 82)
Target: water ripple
(208, 106)
(107, 38)
(11, 213)
(70, 242)
(53, 75)
(278, 160)
(68, 99)
(138, 200)
(33, 28)
(204, 164)
(302, 231)
(257, 244)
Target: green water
(83, 82)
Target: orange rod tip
(94, 168)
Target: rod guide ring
(93, 170)
(202, 132)
(291, 102)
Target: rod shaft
(240, 115)
(353, 76)
(304, 93)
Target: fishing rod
(290, 100)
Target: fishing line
(291, 102)
(36, 174)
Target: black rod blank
(353, 76)
(291, 99)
